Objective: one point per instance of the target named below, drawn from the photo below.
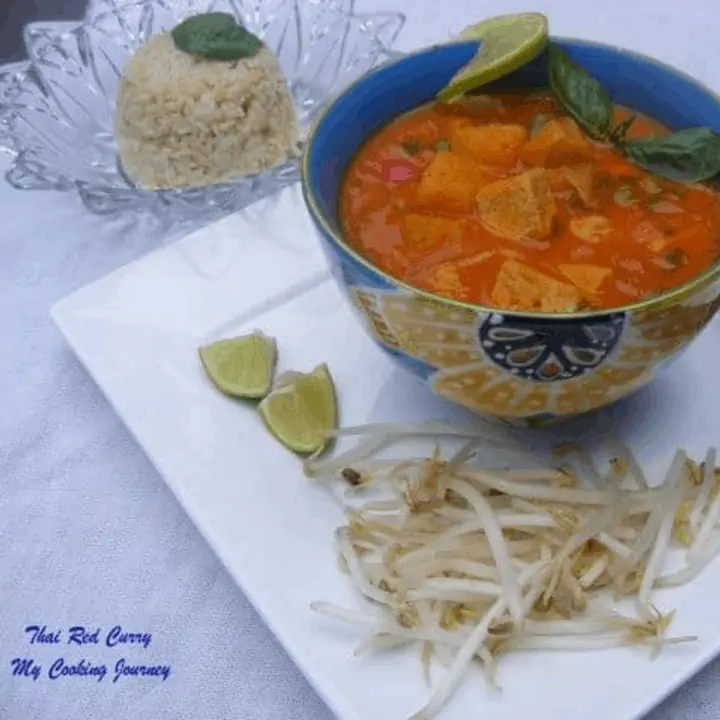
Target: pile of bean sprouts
(469, 562)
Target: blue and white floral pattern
(549, 351)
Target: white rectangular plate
(137, 332)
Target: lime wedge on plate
(241, 366)
(508, 43)
(301, 409)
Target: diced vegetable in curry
(503, 201)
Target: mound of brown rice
(185, 121)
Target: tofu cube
(495, 144)
(519, 287)
(560, 141)
(519, 207)
(449, 183)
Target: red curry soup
(501, 200)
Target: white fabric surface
(90, 535)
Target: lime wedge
(241, 366)
(301, 409)
(508, 43)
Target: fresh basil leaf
(689, 155)
(216, 36)
(579, 93)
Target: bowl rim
(664, 300)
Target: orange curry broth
(412, 202)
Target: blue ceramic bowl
(521, 368)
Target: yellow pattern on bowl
(448, 338)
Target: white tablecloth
(90, 535)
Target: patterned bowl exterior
(526, 370)
(57, 110)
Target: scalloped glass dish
(57, 110)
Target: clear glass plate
(57, 110)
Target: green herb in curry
(625, 196)
(410, 148)
(620, 131)
(677, 257)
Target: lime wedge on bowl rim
(241, 366)
(508, 43)
(301, 409)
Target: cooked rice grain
(185, 121)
